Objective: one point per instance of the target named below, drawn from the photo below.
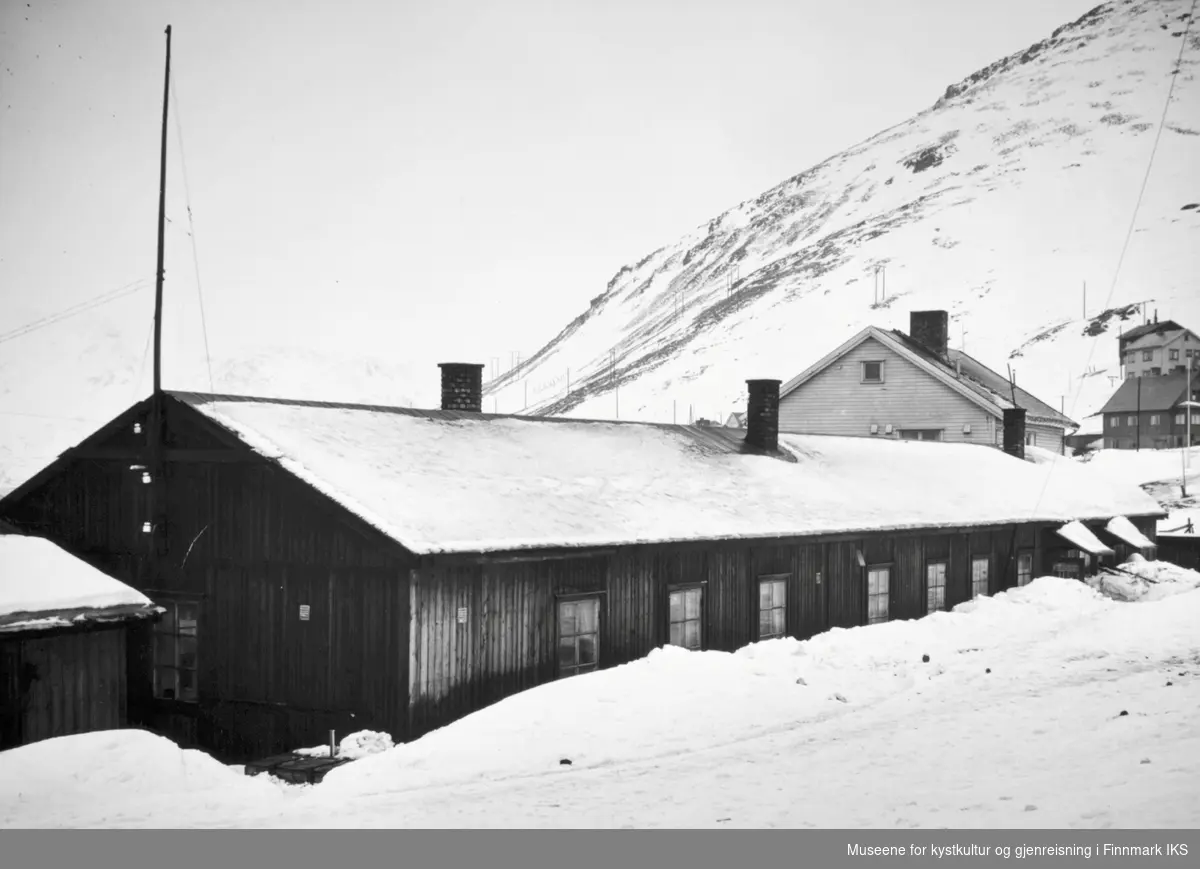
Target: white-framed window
(1114, 421)
(578, 635)
(175, 651)
(979, 575)
(872, 371)
(1155, 418)
(1024, 567)
(878, 579)
(1195, 418)
(772, 607)
(935, 586)
(1131, 420)
(1174, 354)
(1147, 355)
(687, 616)
(920, 434)
(1179, 419)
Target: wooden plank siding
(835, 401)
(61, 683)
(249, 544)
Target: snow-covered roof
(43, 586)
(1119, 526)
(1079, 534)
(440, 481)
(968, 376)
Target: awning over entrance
(1121, 527)
(1078, 535)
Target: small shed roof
(441, 481)
(1122, 528)
(1081, 536)
(43, 586)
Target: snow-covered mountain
(1007, 203)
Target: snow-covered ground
(1047, 706)
(1161, 473)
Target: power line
(187, 198)
(78, 308)
(1133, 220)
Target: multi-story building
(1155, 349)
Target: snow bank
(675, 701)
(354, 746)
(38, 576)
(113, 776)
(1141, 580)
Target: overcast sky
(438, 179)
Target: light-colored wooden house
(1158, 349)
(885, 384)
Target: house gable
(835, 400)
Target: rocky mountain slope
(1008, 203)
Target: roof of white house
(44, 586)
(443, 481)
(962, 373)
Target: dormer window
(872, 372)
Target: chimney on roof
(1014, 431)
(930, 329)
(762, 415)
(462, 386)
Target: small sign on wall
(304, 612)
(462, 615)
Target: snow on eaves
(50, 587)
(479, 484)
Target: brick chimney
(462, 386)
(931, 329)
(762, 415)
(1014, 431)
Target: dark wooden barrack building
(354, 567)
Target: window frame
(886, 594)
(1173, 354)
(682, 588)
(987, 575)
(1131, 421)
(172, 637)
(944, 563)
(774, 579)
(1024, 553)
(1155, 419)
(939, 434)
(1147, 355)
(862, 371)
(597, 597)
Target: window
(979, 575)
(686, 621)
(578, 635)
(1179, 419)
(935, 586)
(1114, 421)
(1174, 354)
(1067, 569)
(1131, 357)
(1154, 418)
(872, 372)
(1187, 354)
(175, 651)
(1030, 439)
(920, 434)
(1131, 420)
(1147, 355)
(772, 607)
(1024, 567)
(878, 579)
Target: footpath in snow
(1053, 705)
